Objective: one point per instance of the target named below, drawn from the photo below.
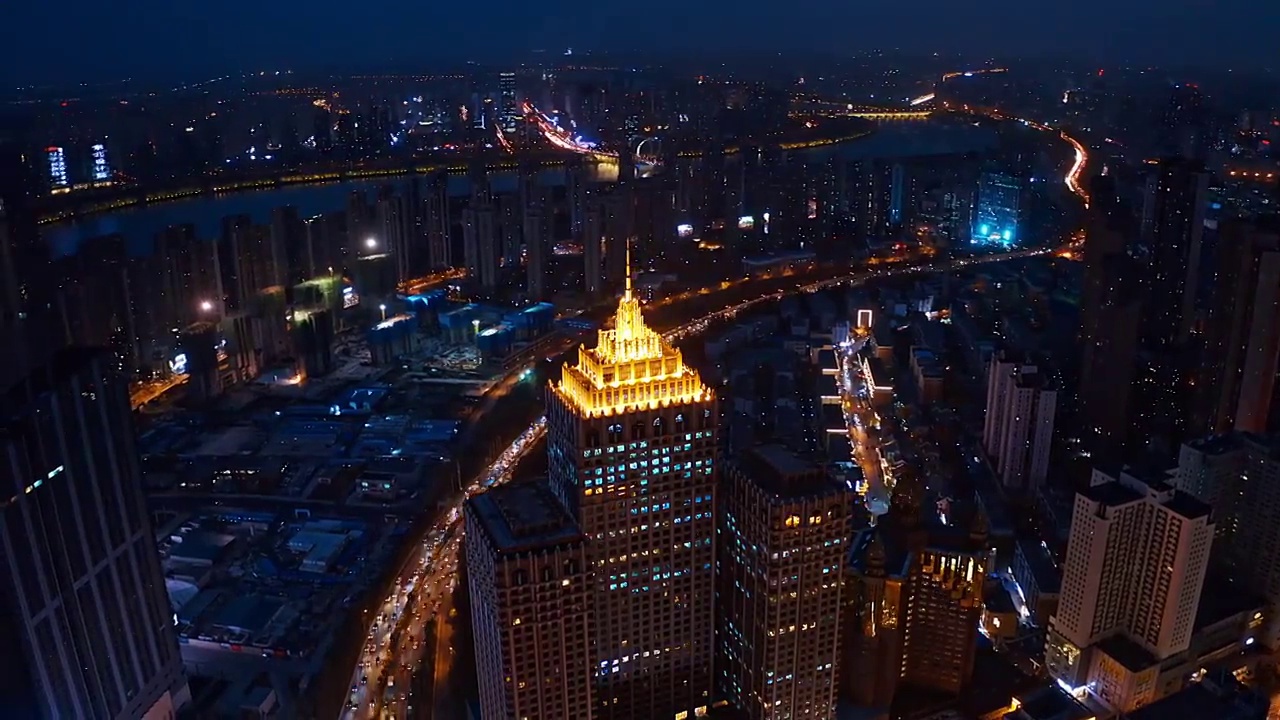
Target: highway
(394, 643)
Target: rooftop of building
(1047, 574)
(266, 581)
(1127, 652)
(523, 516)
(1221, 697)
(1111, 494)
(1188, 506)
(785, 473)
(1051, 702)
(1218, 444)
(1222, 598)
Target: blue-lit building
(997, 210)
(496, 340)
(533, 321)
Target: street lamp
(383, 308)
(206, 306)
(371, 243)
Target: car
(364, 679)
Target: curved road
(395, 642)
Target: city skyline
(241, 37)
(904, 387)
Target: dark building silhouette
(83, 611)
(1170, 251)
(914, 603)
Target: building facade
(1018, 428)
(784, 531)
(83, 605)
(1131, 583)
(632, 454)
(530, 602)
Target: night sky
(43, 41)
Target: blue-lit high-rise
(997, 210)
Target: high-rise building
(915, 600)
(1131, 583)
(1184, 130)
(537, 227)
(632, 453)
(481, 243)
(59, 179)
(1110, 312)
(592, 240)
(1018, 428)
(83, 608)
(393, 234)
(509, 110)
(1239, 476)
(1209, 469)
(531, 601)
(238, 257)
(101, 168)
(1170, 251)
(289, 259)
(436, 216)
(997, 212)
(784, 532)
(1237, 385)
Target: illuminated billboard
(746, 222)
(684, 230)
(101, 168)
(997, 212)
(57, 167)
(178, 365)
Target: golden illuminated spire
(627, 294)
(630, 368)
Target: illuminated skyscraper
(996, 214)
(632, 445)
(101, 167)
(507, 93)
(58, 177)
